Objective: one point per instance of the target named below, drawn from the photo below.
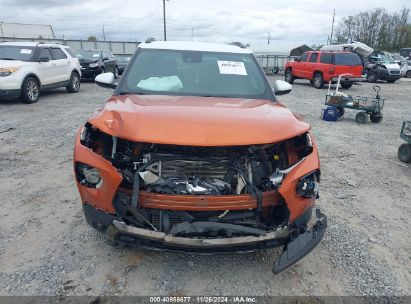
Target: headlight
(7, 71)
(308, 186)
(93, 65)
(88, 176)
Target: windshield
(350, 59)
(88, 55)
(123, 59)
(174, 72)
(11, 52)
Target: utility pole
(104, 34)
(164, 20)
(192, 34)
(269, 37)
(332, 28)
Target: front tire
(30, 91)
(371, 77)
(318, 81)
(74, 85)
(289, 76)
(408, 74)
(346, 85)
(404, 153)
(376, 118)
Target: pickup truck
(323, 66)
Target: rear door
(45, 70)
(311, 65)
(299, 66)
(347, 63)
(60, 64)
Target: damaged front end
(202, 199)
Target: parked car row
(28, 68)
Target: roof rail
(240, 44)
(150, 39)
(40, 42)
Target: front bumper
(298, 240)
(9, 94)
(90, 73)
(388, 77)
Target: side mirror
(106, 80)
(281, 87)
(297, 59)
(44, 59)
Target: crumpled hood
(11, 63)
(197, 121)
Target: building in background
(26, 31)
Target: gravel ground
(46, 247)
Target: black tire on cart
(404, 153)
(376, 118)
(289, 76)
(340, 111)
(346, 84)
(361, 117)
(318, 81)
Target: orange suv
(194, 152)
(321, 66)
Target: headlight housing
(93, 65)
(308, 186)
(4, 72)
(88, 176)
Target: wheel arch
(31, 75)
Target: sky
(287, 23)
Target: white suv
(26, 68)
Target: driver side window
(304, 57)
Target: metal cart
(371, 106)
(404, 151)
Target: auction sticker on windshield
(232, 67)
(25, 51)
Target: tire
(404, 153)
(30, 90)
(74, 85)
(340, 111)
(346, 85)
(391, 81)
(408, 74)
(376, 118)
(371, 77)
(289, 76)
(361, 117)
(318, 81)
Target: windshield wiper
(132, 93)
(7, 59)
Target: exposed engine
(199, 171)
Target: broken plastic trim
(302, 245)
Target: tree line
(376, 28)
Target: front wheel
(404, 153)
(376, 118)
(318, 81)
(371, 77)
(30, 91)
(361, 117)
(74, 85)
(346, 85)
(289, 76)
(408, 74)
